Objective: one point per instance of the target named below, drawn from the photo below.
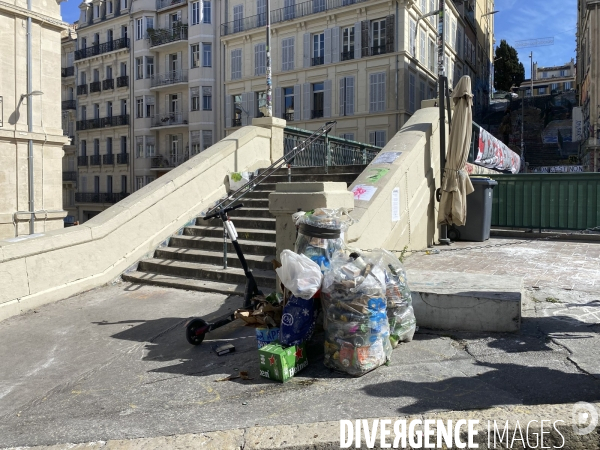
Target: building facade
(551, 80)
(588, 79)
(31, 137)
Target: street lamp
(32, 93)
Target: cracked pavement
(113, 363)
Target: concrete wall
(61, 263)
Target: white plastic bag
(238, 179)
(299, 274)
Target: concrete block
(466, 302)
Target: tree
(508, 71)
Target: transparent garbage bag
(301, 276)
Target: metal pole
(442, 83)
(30, 125)
(224, 247)
(531, 57)
(269, 111)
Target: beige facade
(46, 135)
(551, 80)
(484, 22)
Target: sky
(516, 20)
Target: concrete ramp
(466, 302)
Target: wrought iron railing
(316, 114)
(69, 175)
(95, 160)
(98, 197)
(236, 122)
(160, 36)
(317, 61)
(160, 4)
(167, 78)
(99, 49)
(123, 81)
(123, 158)
(82, 161)
(164, 120)
(112, 121)
(95, 86)
(108, 84)
(167, 161)
(346, 56)
(108, 159)
(67, 71)
(289, 117)
(69, 104)
(82, 89)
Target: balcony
(70, 175)
(108, 159)
(347, 56)
(113, 121)
(95, 160)
(95, 86)
(67, 72)
(317, 61)
(168, 78)
(99, 49)
(160, 4)
(289, 117)
(377, 50)
(167, 162)
(316, 114)
(123, 81)
(168, 119)
(82, 89)
(88, 197)
(69, 104)
(82, 161)
(108, 84)
(123, 158)
(285, 13)
(161, 36)
(236, 122)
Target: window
(423, 6)
(318, 5)
(422, 54)
(150, 147)
(123, 69)
(96, 75)
(195, 13)
(195, 140)
(109, 148)
(378, 33)
(207, 98)
(96, 147)
(347, 43)
(123, 4)
(96, 11)
(238, 15)
(83, 147)
(96, 185)
(347, 96)
(149, 66)
(139, 107)
(412, 49)
(109, 73)
(568, 85)
(123, 144)
(96, 111)
(123, 107)
(195, 54)
(109, 109)
(541, 91)
(288, 103)
(554, 87)
(411, 92)
(206, 55)
(237, 110)
(261, 12)
(110, 7)
(433, 18)
(318, 53)
(206, 12)
(83, 113)
(109, 184)
(261, 104)
(139, 32)
(260, 59)
(149, 101)
(453, 37)
(347, 136)
(289, 9)
(149, 23)
(377, 92)
(139, 68)
(139, 183)
(377, 138)
(287, 54)
(207, 139)
(318, 98)
(123, 183)
(236, 64)
(563, 73)
(139, 147)
(544, 74)
(195, 98)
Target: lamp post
(269, 106)
(30, 157)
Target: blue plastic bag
(297, 321)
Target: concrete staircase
(193, 260)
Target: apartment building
(482, 11)
(365, 63)
(551, 80)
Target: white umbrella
(456, 184)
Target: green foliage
(235, 176)
(508, 71)
(403, 253)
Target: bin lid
(484, 181)
(323, 233)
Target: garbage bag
(298, 321)
(301, 276)
(238, 179)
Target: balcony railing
(289, 117)
(95, 160)
(67, 71)
(82, 161)
(70, 175)
(123, 158)
(167, 162)
(236, 122)
(113, 121)
(346, 56)
(82, 89)
(316, 114)
(164, 120)
(160, 36)
(99, 49)
(160, 4)
(89, 197)
(95, 86)
(123, 81)
(285, 13)
(108, 159)
(317, 61)
(377, 50)
(108, 84)
(173, 77)
(69, 104)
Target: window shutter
(178, 61)
(335, 44)
(278, 101)
(372, 92)
(349, 96)
(244, 109)
(342, 99)
(372, 138)
(251, 110)
(381, 100)
(306, 58)
(327, 56)
(290, 54)
(227, 111)
(327, 98)
(297, 103)
(284, 53)
(390, 22)
(306, 101)
(257, 59)
(357, 40)
(364, 37)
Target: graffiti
(557, 169)
(493, 154)
(578, 316)
(363, 192)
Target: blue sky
(516, 20)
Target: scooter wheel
(191, 331)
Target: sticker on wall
(396, 205)
(377, 175)
(363, 192)
(386, 158)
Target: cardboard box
(281, 364)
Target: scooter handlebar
(223, 211)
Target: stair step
(258, 194)
(205, 271)
(190, 284)
(216, 244)
(251, 212)
(248, 234)
(215, 258)
(262, 223)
